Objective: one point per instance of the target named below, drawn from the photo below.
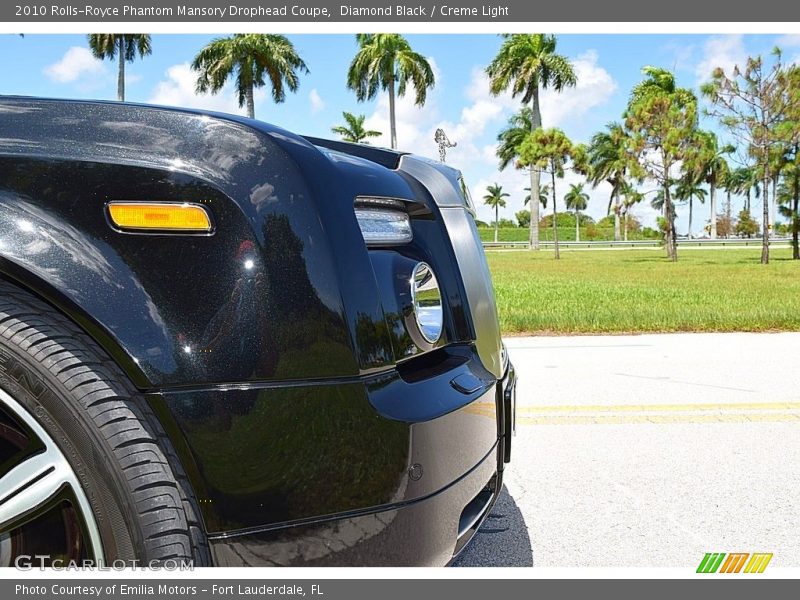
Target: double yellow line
(620, 414)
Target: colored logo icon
(734, 562)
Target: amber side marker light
(159, 217)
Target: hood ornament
(440, 137)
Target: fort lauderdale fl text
(235, 11)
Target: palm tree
(122, 46)
(658, 201)
(631, 196)
(688, 190)
(706, 162)
(609, 159)
(577, 200)
(656, 80)
(744, 180)
(495, 197)
(789, 199)
(510, 138)
(527, 63)
(385, 61)
(253, 58)
(354, 130)
(544, 194)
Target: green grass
(617, 291)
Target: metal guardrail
(641, 243)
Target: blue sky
(607, 67)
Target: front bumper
(428, 530)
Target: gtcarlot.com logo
(734, 562)
(27, 562)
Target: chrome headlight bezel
(426, 302)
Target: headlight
(427, 301)
(383, 222)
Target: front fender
(258, 300)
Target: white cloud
(77, 64)
(317, 103)
(595, 87)
(725, 51)
(178, 89)
(792, 39)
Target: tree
(631, 196)
(523, 218)
(511, 137)
(789, 197)
(725, 225)
(385, 61)
(254, 59)
(527, 63)
(609, 159)
(544, 193)
(122, 46)
(495, 197)
(658, 200)
(746, 225)
(576, 199)
(706, 162)
(661, 119)
(689, 189)
(757, 104)
(744, 180)
(354, 130)
(549, 150)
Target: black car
(223, 343)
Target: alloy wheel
(44, 511)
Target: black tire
(142, 501)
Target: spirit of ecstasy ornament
(440, 137)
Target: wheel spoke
(30, 485)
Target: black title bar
(221, 11)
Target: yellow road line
(620, 414)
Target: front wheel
(86, 471)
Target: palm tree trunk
(728, 207)
(392, 124)
(625, 230)
(496, 221)
(251, 103)
(691, 203)
(555, 224)
(712, 200)
(536, 122)
(765, 223)
(616, 215)
(577, 225)
(121, 73)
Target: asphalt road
(649, 451)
